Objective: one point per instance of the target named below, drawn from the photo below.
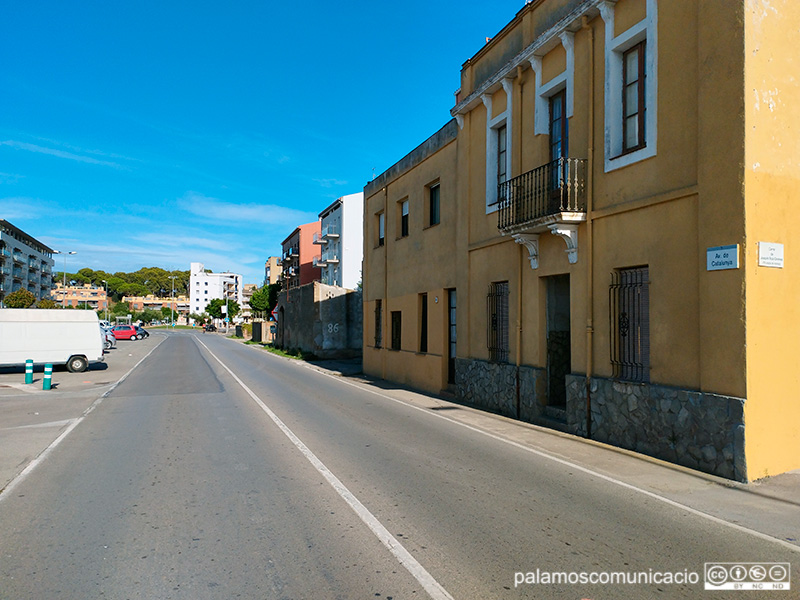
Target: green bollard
(29, 371)
(48, 375)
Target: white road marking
(37, 425)
(404, 557)
(648, 493)
(5, 492)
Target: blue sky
(154, 134)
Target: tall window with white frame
(633, 98)
(381, 218)
(502, 137)
(403, 218)
(433, 205)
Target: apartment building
(179, 304)
(341, 242)
(25, 263)
(272, 270)
(297, 262)
(613, 254)
(206, 286)
(80, 296)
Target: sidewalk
(769, 506)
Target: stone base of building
(695, 429)
(493, 387)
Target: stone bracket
(531, 242)
(569, 233)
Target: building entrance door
(451, 336)
(559, 355)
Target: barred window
(629, 314)
(423, 322)
(497, 309)
(378, 323)
(397, 326)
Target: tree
(149, 315)
(20, 299)
(214, 308)
(167, 312)
(46, 303)
(121, 308)
(259, 302)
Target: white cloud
(59, 153)
(266, 214)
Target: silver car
(109, 340)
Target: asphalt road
(218, 471)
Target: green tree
(20, 299)
(46, 303)
(259, 302)
(214, 308)
(149, 315)
(121, 309)
(167, 312)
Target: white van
(57, 336)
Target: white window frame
(492, 125)
(615, 47)
(563, 81)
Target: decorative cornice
(539, 45)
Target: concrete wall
(320, 319)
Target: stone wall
(321, 319)
(493, 387)
(694, 429)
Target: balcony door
(559, 355)
(559, 148)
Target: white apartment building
(205, 287)
(341, 239)
(25, 263)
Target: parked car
(142, 332)
(210, 327)
(125, 332)
(108, 337)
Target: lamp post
(105, 287)
(171, 302)
(64, 298)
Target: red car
(125, 332)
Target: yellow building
(614, 202)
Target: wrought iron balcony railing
(556, 187)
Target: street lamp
(105, 287)
(172, 301)
(64, 298)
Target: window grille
(378, 323)
(497, 309)
(397, 325)
(629, 314)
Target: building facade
(80, 296)
(205, 287)
(25, 263)
(619, 252)
(179, 304)
(299, 251)
(272, 270)
(341, 242)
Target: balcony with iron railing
(549, 198)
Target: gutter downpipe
(521, 269)
(385, 307)
(589, 239)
